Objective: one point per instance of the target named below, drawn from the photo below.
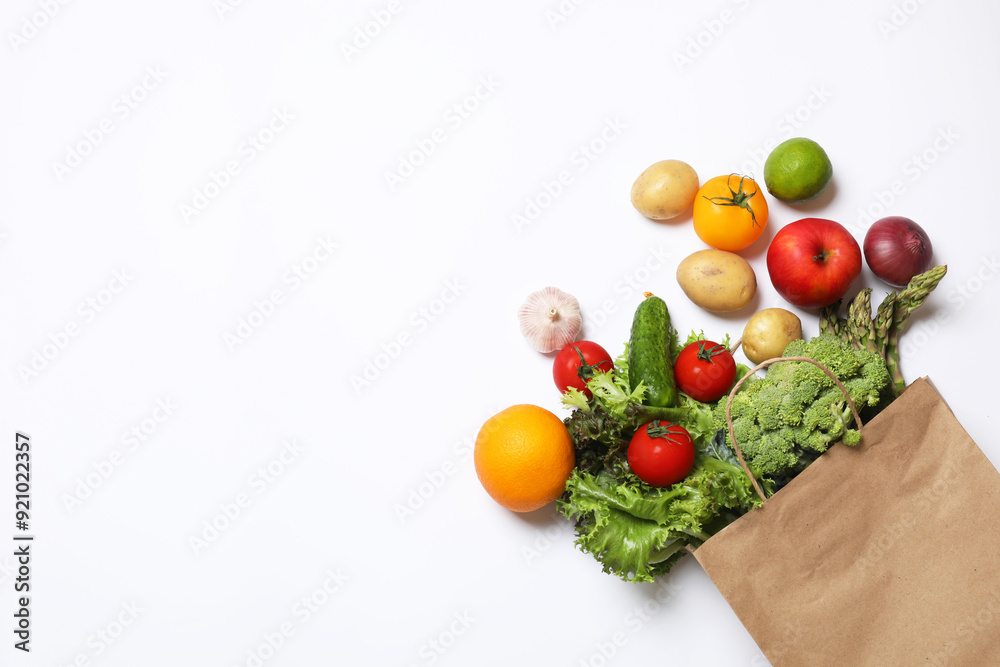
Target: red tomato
(575, 363)
(705, 371)
(661, 453)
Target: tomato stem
(706, 354)
(585, 371)
(661, 429)
(739, 198)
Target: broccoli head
(786, 419)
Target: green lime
(797, 171)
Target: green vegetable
(881, 334)
(602, 426)
(785, 420)
(912, 296)
(651, 344)
(635, 530)
(638, 532)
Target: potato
(665, 190)
(717, 280)
(768, 332)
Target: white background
(376, 514)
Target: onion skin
(896, 249)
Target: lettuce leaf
(624, 529)
(611, 391)
(638, 532)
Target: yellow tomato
(730, 212)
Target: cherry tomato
(575, 363)
(661, 453)
(705, 371)
(730, 212)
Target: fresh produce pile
(653, 472)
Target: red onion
(896, 249)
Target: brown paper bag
(887, 553)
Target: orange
(524, 456)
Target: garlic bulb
(550, 319)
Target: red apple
(813, 261)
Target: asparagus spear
(881, 334)
(861, 328)
(830, 320)
(916, 292)
(907, 301)
(883, 322)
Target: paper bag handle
(765, 364)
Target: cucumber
(650, 348)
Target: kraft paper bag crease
(887, 553)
